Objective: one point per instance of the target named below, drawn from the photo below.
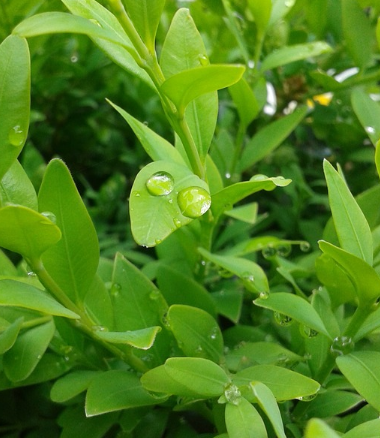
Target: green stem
(357, 320)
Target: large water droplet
(232, 394)
(283, 320)
(341, 345)
(49, 215)
(194, 201)
(16, 136)
(160, 184)
(269, 252)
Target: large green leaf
(116, 390)
(189, 84)
(294, 307)
(197, 332)
(243, 421)
(362, 275)
(9, 335)
(156, 205)
(20, 361)
(146, 15)
(357, 31)
(15, 293)
(74, 261)
(368, 112)
(269, 138)
(318, 429)
(14, 99)
(183, 48)
(362, 370)
(351, 225)
(27, 232)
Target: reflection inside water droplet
(16, 136)
(304, 246)
(160, 184)
(264, 295)
(232, 394)
(194, 201)
(341, 345)
(283, 320)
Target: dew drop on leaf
(284, 250)
(49, 215)
(16, 136)
(99, 328)
(307, 398)
(341, 345)
(232, 394)
(269, 252)
(157, 241)
(32, 274)
(115, 289)
(283, 320)
(154, 295)
(160, 184)
(248, 277)
(194, 202)
(203, 60)
(308, 332)
(369, 129)
(304, 246)
(177, 223)
(264, 295)
(214, 333)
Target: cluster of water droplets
(282, 250)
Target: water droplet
(304, 246)
(203, 60)
(269, 252)
(160, 184)
(227, 175)
(98, 328)
(115, 289)
(307, 331)
(147, 358)
(136, 194)
(74, 59)
(224, 273)
(307, 398)
(39, 356)
(177, 223)
(16, 136)
(369, 129)
(284, 250)
(95, 22)
(251, 64)
(283, 320)
(259, 177)
(232, 394)
(203, 262)
(154, 295)
(264, 295)
(194, 201)
(214, 333)
(248, 277)
(199, 350)
(32, 274)
(49, 215)
(341, 345)
(157, 241)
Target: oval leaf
(243, 421)
(71, 385)
(9, 335)
(142, 339)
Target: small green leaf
(279, 9)
(197, 333)
(369, 429)
(351, 225)
(201, 376)
(187, 85)
(332, 403)
(142, 339)
(318, 429)
(15, 293)
(9, 335)
(363, 276)
(98, 304)
(261, 12)
(20, 361)
(251, 273)
(368, 112)
(74, 261)
(362, 370)
(159, 203)
(14, 99)
(116, 390)
(245, 101)
(27, 232)
(70, 385)
(243, 421)
(269, 138)
(294, 307)
(268, 404)
(284, 384)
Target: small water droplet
(95, 22)
(147, 358)
(136, 194)
(146, 123)
(214, 333)
(39, 356)
(232, 394)
(282, 360)
(341, 345)
(248, 277)
(283, 250)
(203, 262)
(154, 295)
(157, 241)
(307, 398)
(194, 201)
(203, 60)
(49, 215)
(74, 59)
(224, 273)
(304, 246)
(32, 274)
(115, 289)
(227, 175)
(283, 320)
(269, 252)
(251, 64)
(369, 129)
(99, 328)
(160, 184)
(307, 331)
(264, 295)
(177, 223)
(16, 136)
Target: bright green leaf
(14, 99)
(142, 339)
(27, 232)
(261, 12)
(362, 370)
(369, 429)
(15, 293)
(74, 261)
(243, 421)
(279, 9)
(71, 385)
(318, 429)
(351, 225)
(368, 112)
(245, 101)
(9, 335)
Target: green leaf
(251, 273)
(74, 261)
(351, 225)
(14, 99)
(116, 390)
(243, 421)
(261, 13)
(201, 376)
(284, 384)
(20, 361)
(183, 48)
(357, 31)
(189, 84)
(27, 232)
(377, 157)
(70, 385)
(268, 404)
(245, 101)
(9, 335)
(269, 138)
(279, 9)
(197, 333)
(362, 370)
(363, 276)
(146, 15)
(318, 429)
(142, 339)
(155, 208)
(368, 113)
(369, 429)
(294, 307)
(16, 188)
(294, 53)
(155, 146)
(14, 293)
(369, 325)
(332, 403)
(98, 304)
